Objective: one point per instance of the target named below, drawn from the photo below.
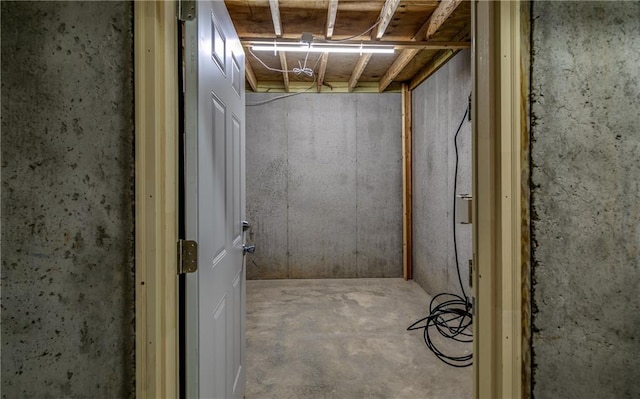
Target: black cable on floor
(450, 314)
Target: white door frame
(500, 209)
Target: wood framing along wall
(156, 88)
(407, 178)
(499, 224)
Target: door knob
(248, 248)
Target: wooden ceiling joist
(332, 10)
(275, 16)
(285, 70)
(357, 71)
(440, 59)
(323, 68)
(440, 15)
(386, 14)
(408, 26)
(426, 32)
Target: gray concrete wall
(324, 186)
(438, 107)
(67, 200)
(586, 199)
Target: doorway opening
(325, 199)
(497, 247)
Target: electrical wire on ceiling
(302, 69)
(313, 84)
(358, 35)
(449, 313)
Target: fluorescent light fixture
(324, 49)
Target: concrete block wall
(439, 105)
(324, 186)
(586, 199)
(67, 200)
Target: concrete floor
(344, 338)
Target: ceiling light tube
(324, 49)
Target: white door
(215, 204)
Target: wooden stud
(156, 192)
(407, 184)
(251, 77)
(331, 18)
(285, 69)
(323, 68)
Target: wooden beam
(386, 15)
(332, 11)
(285, 69)
(426, 31)
(407, 185)
(398, 65)
(357, 71)
(276, 86)
(323, 68)
(440, 15)
(438, 60)
(331, 18)
(251, 77)
(275, 16)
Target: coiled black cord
(449, 313)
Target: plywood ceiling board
(377, 66)
(415, 65)
(340, 67)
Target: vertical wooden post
(500, 221)
(156, 158)
(407, 184)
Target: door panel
(215, 205)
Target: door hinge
(470, 273)
(187, 256)
(186, 10)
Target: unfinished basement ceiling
(425, 34)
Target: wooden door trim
(156, 198)
(501, 217)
